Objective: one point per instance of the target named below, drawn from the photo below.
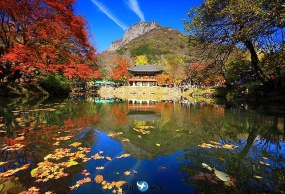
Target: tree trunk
(254, 61)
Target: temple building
(144, 75)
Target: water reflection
(245, 144)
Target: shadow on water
(62, 145)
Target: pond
(92, 145)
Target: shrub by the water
(55, 85)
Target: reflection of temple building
(144, 75)
(143, 110)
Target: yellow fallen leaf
(258, 177)
(75, 144)
(21, 138)
(120, 183)
(221, 175)
(157, 144)
(127, 173)
(108, 158)
(123, 156)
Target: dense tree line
(225, 27)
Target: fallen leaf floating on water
(258, 177)
(123, 156)
(134, 171)
(100, 168)
(13, 171)
(127, 173)
(221, 175)
(21, 138)
(75, 144)
(264, 163)
(97, 156)
(99, 178)
(207, 166)
(31, 190)
(115, 134)
(217, 145)
(80, 182)
(85, 172)
(214, 142)
(108, 158)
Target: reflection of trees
(257, 155)
(39, 125)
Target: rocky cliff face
(133, 32)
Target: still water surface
(109, 146)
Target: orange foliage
(120, 72)
(45, 35)
(164, 79)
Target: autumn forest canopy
(44, 37)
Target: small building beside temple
(144, 75)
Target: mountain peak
(133, 32)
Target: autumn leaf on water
(108, 158)
(123, 156)
(258, 177)
(221, 175)
(21, 138)
(97, 156)
(2, 163)
(264, 163)
(100, 168)
(207, 166)
(127, 173)
(99, 178)
(56, 143)
(31, 190)
(120, 183)
(75, 144)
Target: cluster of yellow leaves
(64, 138)
(115, 134)
(80, 182)
(31, 190)
(50, 170)
(142, 129)
(115, 186)
(13, 171)
(214, 144)
(14, 147)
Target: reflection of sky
(161, 171)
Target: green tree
(239, 24)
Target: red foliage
(46, 35)
(120, 72)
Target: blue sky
(108, 19)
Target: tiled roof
(145, 68)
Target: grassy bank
(141, 93)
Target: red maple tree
(120, 72)
(44, 35)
